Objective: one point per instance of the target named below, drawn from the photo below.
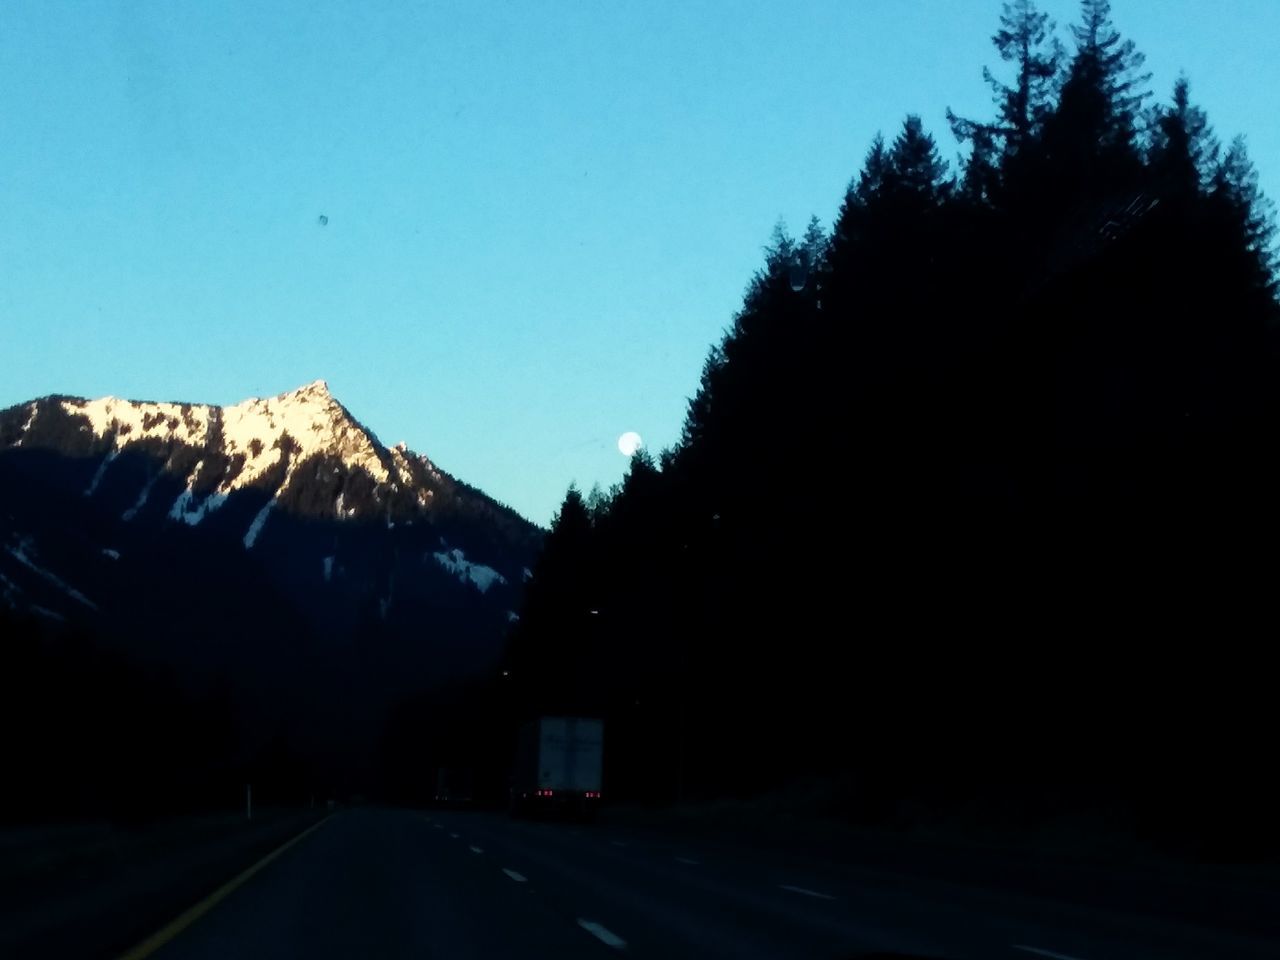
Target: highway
(374, 883)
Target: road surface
(373, 883)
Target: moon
(629, 443)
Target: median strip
(603, 934)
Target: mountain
(275, 548)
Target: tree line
(973, 502)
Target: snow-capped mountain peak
(254, 435)
(231, 530)
(313, 420)
(301, 447)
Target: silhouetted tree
(1090, 139)
(1250, 212)
(1004, 147)
(1025, 39)
(1183, 152)
(916, 174)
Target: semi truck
(559, 767)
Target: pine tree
(1025, 39)
(898, 185)
(870, 182)
(781, 247)
(1094, 129)
(1250, 213)
(980, 182)
(855, 224)
(811, 255)
(916, 175)
(814, 243)
(702, 411)
(571, 525)
(1183, 152)
(597, 503)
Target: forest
(973, 506)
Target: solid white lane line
(517, 877)
(437, 826)
(1043, 953)
(807, 893)
(454, 835)
(603, 934)
(692, 863)
(476, 850)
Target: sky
(540, 213)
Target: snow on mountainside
(303, 423)
(242, 541)
(294, 478)
(483, 577)
(302, 448)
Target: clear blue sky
(541, 212)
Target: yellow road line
(188, 917)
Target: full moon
(629, 443)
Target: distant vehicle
(559, 763)
(453, 786)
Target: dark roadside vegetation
(969, 526)
(125, 795)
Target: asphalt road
(393, 883)
(89, 890)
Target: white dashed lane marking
(805, 892)
(603, 934)
(692, 863)
(454, 835)
(1043, 953)
(476, 850)
(517, 877)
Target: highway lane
(398, 883)
(377, 883)
(739, 901)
